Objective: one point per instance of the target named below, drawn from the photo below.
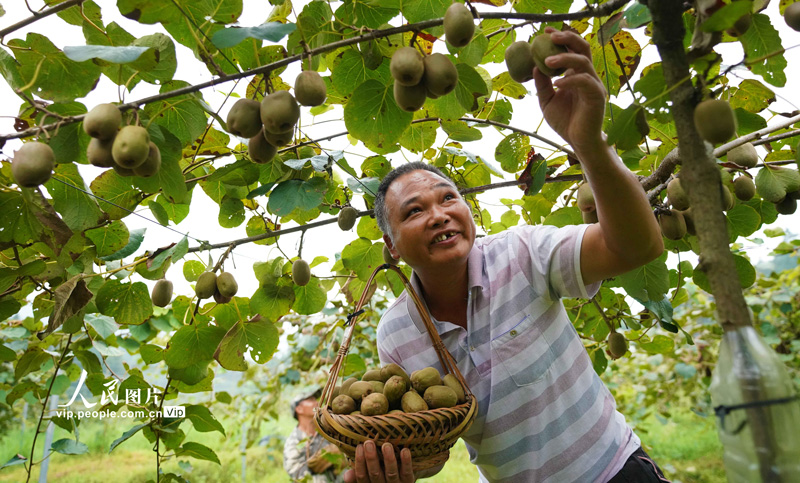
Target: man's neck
(307, 426)
(445, 292)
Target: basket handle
(445, 358)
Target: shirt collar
(476, 271)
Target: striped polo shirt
(543, 413)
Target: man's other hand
(367, 467)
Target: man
(305, 450)
(543, 414)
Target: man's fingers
(406, 466)
(360, 466)
(581, 82)
(578, 63)
(570, 40)
(544, 87)
(390, 464)
(373, 463)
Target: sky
(328, 240)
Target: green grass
(686, 447)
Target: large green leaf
(69, 446)
(419, 10)
(134, 242)
(116, 196)
(78, 210)
(110, 238)
(18, 223)
(743, 220)
(753, 96)
(183, 116)
(348, 71)
(126, 435)
(470, 87)
(258, 335)
(202, 419)
(744, 269)
(512, 152)
(294, 193)
(128, 303)
(310, 298)
(69, 142)
(272, 301)
(169, 179)
(197, 450)
(373, 117)
(418, 136)
(606, 63)
(271, 31)
(362, 257)
(763, 50)
(542, 6)
(54, 76)
(192, 344)
(367, 13)
(648, 282)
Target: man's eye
(449, 196)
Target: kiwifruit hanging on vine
(688, 218)
(260, 150)
(407, 66)
(387, 256)
(786, 206)
(103, 121)
(744, 155)
(347, 218)
(451, 381)
(221, 299)
(412, 402)
(715, 121)
(310, 89)
(131, 146)
(409, 98)
(126, 172)
(226, 284)
(585, 198)
(440, 76)
(99, 153)
(589, 217)
(244, 118)
(374, 404)
(206, 285)
(440, 397)
(459, 26)
(519, 61)
(728, 201)
(151, 164)
(673, 226)
(617, 345)
(301, 272)
(279, 112)
(676, 195)
(280, 139)
(33, 164)
(162, 293)
(543, 47)
(741, 25)
(792, 16)
(744, 188)
(343, 404)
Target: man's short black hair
(381, 216)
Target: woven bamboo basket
(428, 434)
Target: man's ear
(391, 247)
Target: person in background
(304, 454)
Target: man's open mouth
(444, 236)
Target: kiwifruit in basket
(425, 378)
(411, 402)
(451, 381)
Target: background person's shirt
(296, 451)
(543, 413)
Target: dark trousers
(639, 468)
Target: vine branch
(38, 16)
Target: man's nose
(439, 216)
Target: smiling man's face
(432, 225)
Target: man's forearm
(629, 228)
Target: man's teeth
(443, 237)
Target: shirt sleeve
(555, 256)
(294, 460)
